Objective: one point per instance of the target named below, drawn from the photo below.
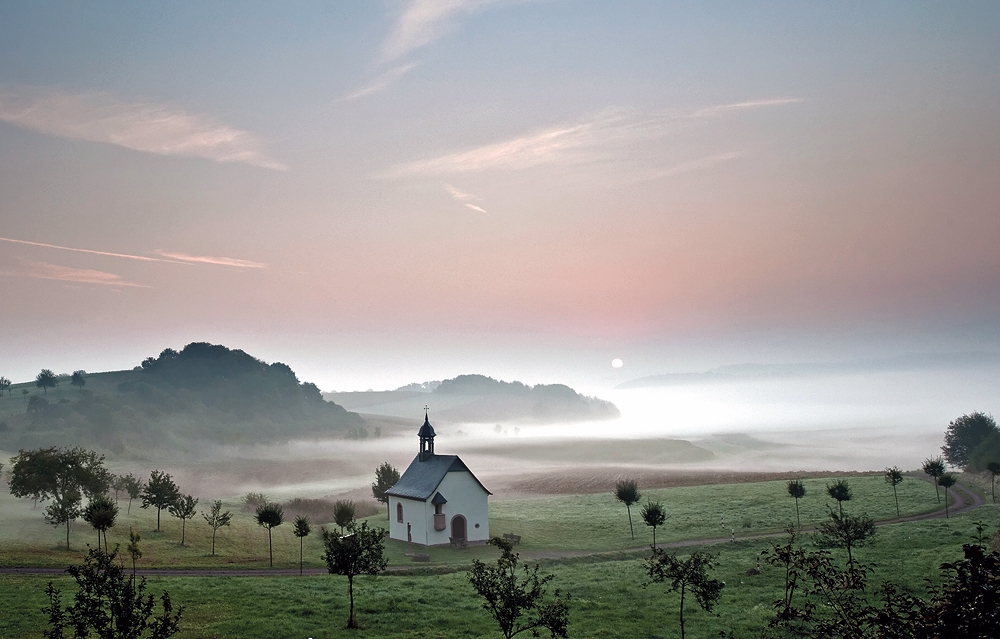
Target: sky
(393, 191)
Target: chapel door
(458, 527)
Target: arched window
(399, 513)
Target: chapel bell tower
(426, 435)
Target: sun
(617, 363)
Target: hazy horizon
(391, 192)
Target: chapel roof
(422, 478)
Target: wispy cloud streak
(139, 126)
(423, 21)
(205, 259)
(80, 250)
(165, 256)
(47, 271)
(466, 199)
(571, 143)
(382, 82)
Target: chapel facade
(438, 501)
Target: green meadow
(583, 540)
(608, 598)
(549, 526)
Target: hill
(205, 393)
(481, 399)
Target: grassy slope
(608, 599)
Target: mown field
(550, 526)
(608, 598)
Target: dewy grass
(608, 599)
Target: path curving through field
(966, 500)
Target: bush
(253, 501)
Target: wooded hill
(178, 401)
(481, 399)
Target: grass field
(562, 524)
(608, 599)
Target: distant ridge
(481, 399)
(738, 372)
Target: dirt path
(965, 499)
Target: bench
(512, 538)
(456, 541)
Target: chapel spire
(426, 434)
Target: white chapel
(438, 501)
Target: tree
(385, 478)
(270, 515)
(687, 574)
(964, 434)
(509, 598)
(116, 483)
(359, 552)
(946, 480)
(847, 531)
(343, 513)
(101, 513)
(216, 518)
(627, 492)
(934, 468)
(4, 386)
(63, 475)
(894, 477)
(46, 380)
(797, 490)
(133, 549)
(133, 486)
(161, 492)
(841, 491)
(301, 529)
(79, 379)
(183, 508)
(654, 514)
(108, 605)
(994, 470)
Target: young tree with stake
(894, 477)
(216, 518)
(627, 492)
(270, 515)
(847, 531)
(797, 490)
(359, 552)
(133, 486)
(101, 513)
(654, 514)
(301, 529)
(947, 480)
(934, 468)
(183, 509)
(686, 574)
(841, 491)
